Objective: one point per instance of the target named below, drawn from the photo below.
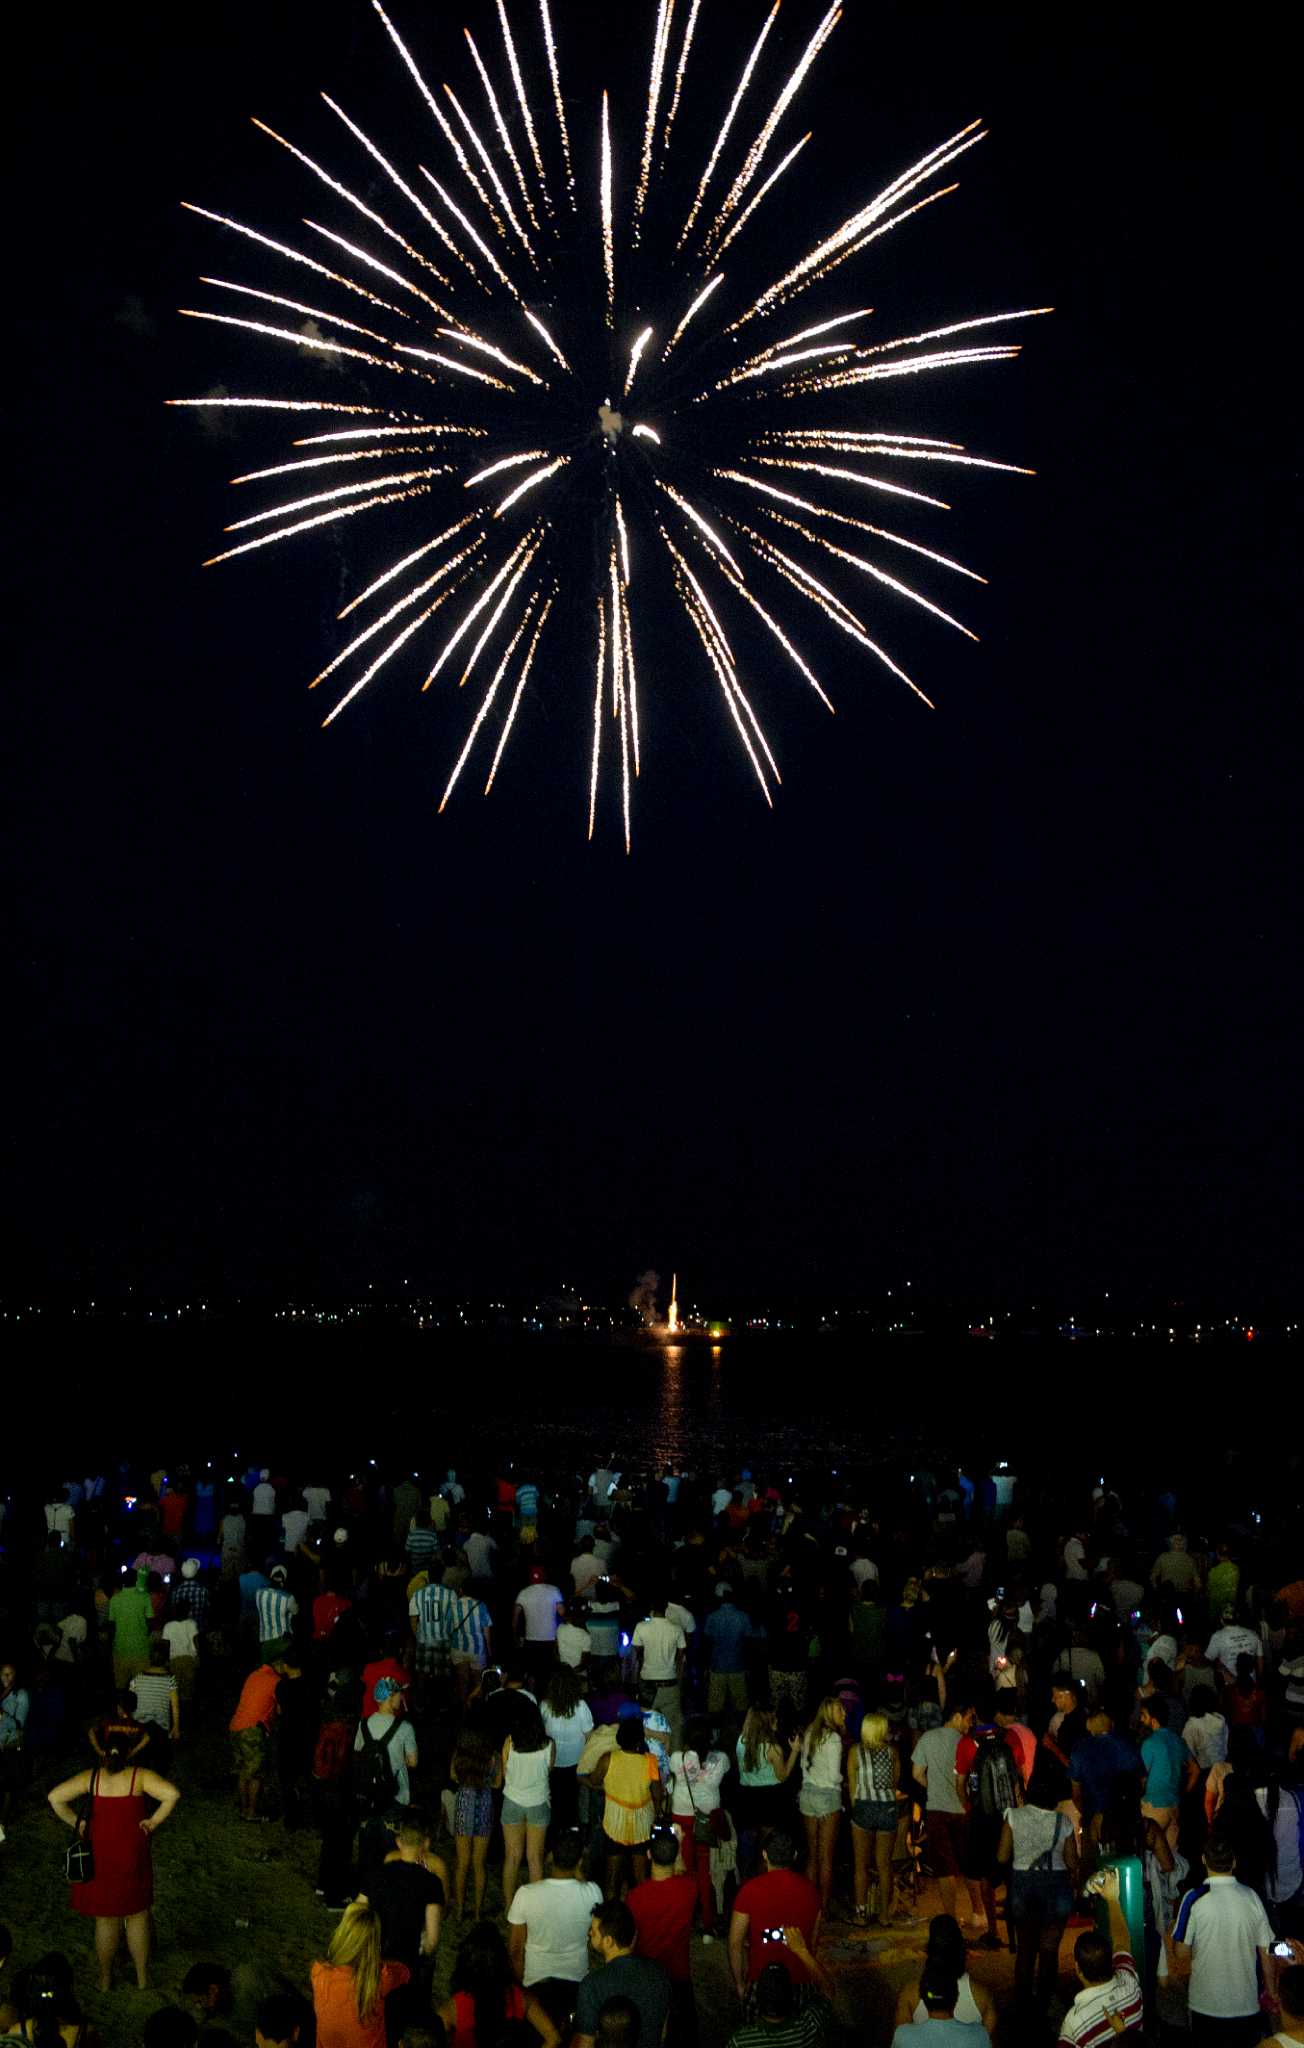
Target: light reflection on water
(689, 1403)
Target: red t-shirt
(172, 1512)
(778, 1898)
(663, 1914)
(326, 1611)
(384, 1667)
(968, 1750)
(335, 2003)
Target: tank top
(874, 1774)
(764, 1774)
(821, 1767)
(965, 2008)
(526, 1781)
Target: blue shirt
(251, 1585)
(1165, 1757)
(726, 1631)
(1096, 1764)
(527, 1502)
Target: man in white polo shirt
(1222, 1935)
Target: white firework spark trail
(507, 309)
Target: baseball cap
(386, 1689)
(277, 1575)
(629, 1711)
(190, 1567)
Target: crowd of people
(568, 1728)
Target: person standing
(130, 1614)
(933, 1767)
(820, 1798)
(15, 1705)
(620, 1974)
(119, 1895)
(661, 1648)
(663, 1914)
(548, 1928)
(534, 1621)
(1223, 1938)
(727, 1631)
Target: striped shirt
(276, 1611)
(469, 1623)
(154, 1693)
(1088, 2020)
(431, 1609)
(422, 1547)
(527, 1502)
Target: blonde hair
(823, 1725)
(873, 1731)
(760, 1732)
(355, 1945)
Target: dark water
(828, 1411)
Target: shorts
(468, 1660)
(819, 1802)
(874, 1816)
(531, 1816)
(944, 1834)
(981, 1841)
(473, 1813)
(430, 1660)
(1040, 1898)
(249, 1748)
(125, 1669)
(273, 1648)
(787, 1688)
(726, 1688)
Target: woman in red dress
(121, 1892)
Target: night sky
(1001, 997)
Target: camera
(1283, 1951)
(773, 1934)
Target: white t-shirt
(683, 1619)
(720, 1499)
(539, 1606)
(182, 1638)
(58, 1518)
(572, 1644)
(660, 1641)
(586, 1570)
(480, 1550)
(1232, 1642)
(294, 1527)
(1075, 1558)
(72, 1637)
(318, 1499)
(864, 1568)
(555, 1914)
(264, 1502)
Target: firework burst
(555, 370)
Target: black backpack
(374, 1783)
(993, 1781)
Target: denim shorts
(819, 1802)
(531, 1816)
(874, 1816)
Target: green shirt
(1224, 1584)
(130, 1613)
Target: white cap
(190, 1567)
